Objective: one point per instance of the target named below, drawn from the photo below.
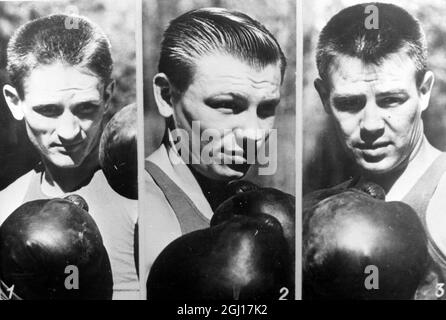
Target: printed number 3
(284, 293)
(440, 291)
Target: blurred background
(116, 18)
(324, 162)
(279, 17)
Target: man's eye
(87, 109)
(349, 105)
(49, 110)
(391, 101)
(266, 110)
(226, 106)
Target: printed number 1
(11, 292)
(440, 291)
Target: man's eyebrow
(233, 95)
(347, 96)
(392, 92)
(274, 101)
(88, 102)
(45, 105)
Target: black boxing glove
(45, 242)
(353, 228)
(118, 152)
(241, 258)
(251, 200)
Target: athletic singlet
(115, 217)
(418, 198)
(188, 215)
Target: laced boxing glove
(350, 230)
(251, 200)
(241, 258)
(52, 249)
(118, 152)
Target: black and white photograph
(68, 175)
(218, 213)
(374, 136)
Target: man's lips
(68, 147)
(372, 146)
(374, 151)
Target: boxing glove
(52, 249)
(238, 259)
(357, 246)
(118, 152)
(251, 200)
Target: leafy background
(280, 18)
(116, 18)
(324, 163)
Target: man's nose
(68, 127)
(372, 122)
(250, 128)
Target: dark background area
(324, 162)
(116, 18)
(279, 17)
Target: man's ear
(13, 101)
(324, 93)
(108, 93)
(162, 90)
(425, 89)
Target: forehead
(396, 71)
(55, 82)
(218, 73)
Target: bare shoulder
(12, 196)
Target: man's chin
(227, 172)
(63, 162)
(376, 168)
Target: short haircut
(208, 30)
(347, 34)
(47, 40)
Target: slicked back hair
(346, 34)
(209, 30)
(48, 40)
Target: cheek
(347, 124)
(91, 126)
(404, 121)
(41, 126)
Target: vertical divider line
(140, 140)
(299, 146)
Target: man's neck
(213, 190)
(57, 181)
(399, 181)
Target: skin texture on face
(377, 110)
(63, 109)
(234, 98)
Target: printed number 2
(440, 291)
(284, 293)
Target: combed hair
(347, 34)
(204, 31)
(47, 40)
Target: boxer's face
(234, 99)
(377, 110)
(63, 107)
